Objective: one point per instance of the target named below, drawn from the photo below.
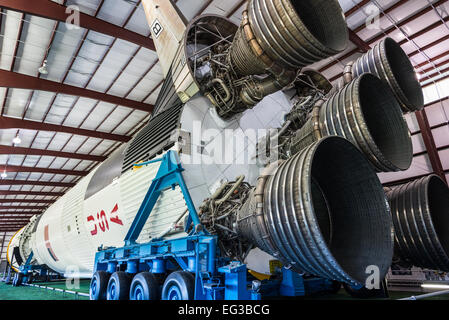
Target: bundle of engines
(321, 208)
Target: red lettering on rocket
(101, 220)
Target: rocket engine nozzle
(323, 212)
(284, 35)
(420, 211)
(389, 62)
(275, 40)
(366, 113)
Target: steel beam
(437, 65)
(383, 13)
(23, 207)
(356, 8)
(430, 46)
(50, 153)
(235, 8)
(429, 142)
(435, 58)
(54, 11)
(26, 201)
(4, 233)
(439, 79)
(433, 26)
(7, 182)
(43, 170)
(420, 13)
(433, 78)
(30, 193)
(12, 223)
(9, 227)
(355, 39)
(18, 213)
(9, 79)
(442, 148)
(12, 123)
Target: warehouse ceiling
(104, 77)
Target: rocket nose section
(167, 25)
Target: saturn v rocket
(316, 206)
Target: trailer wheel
(118, 286)
(98, 285)
(144, 287)
(179, 285)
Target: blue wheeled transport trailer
(29, 272)
(188, 268)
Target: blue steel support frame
(168, 176)
(27, 267)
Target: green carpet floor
(8, 292)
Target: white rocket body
(70, 231)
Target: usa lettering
(102, 221)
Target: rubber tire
(147, 286)
(363, 293)
(118, 286)
(101, 278)
(179, 285)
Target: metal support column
(429, 142)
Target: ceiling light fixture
(16, 140)
(4, 175)
(43, 69)
(435, 286)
